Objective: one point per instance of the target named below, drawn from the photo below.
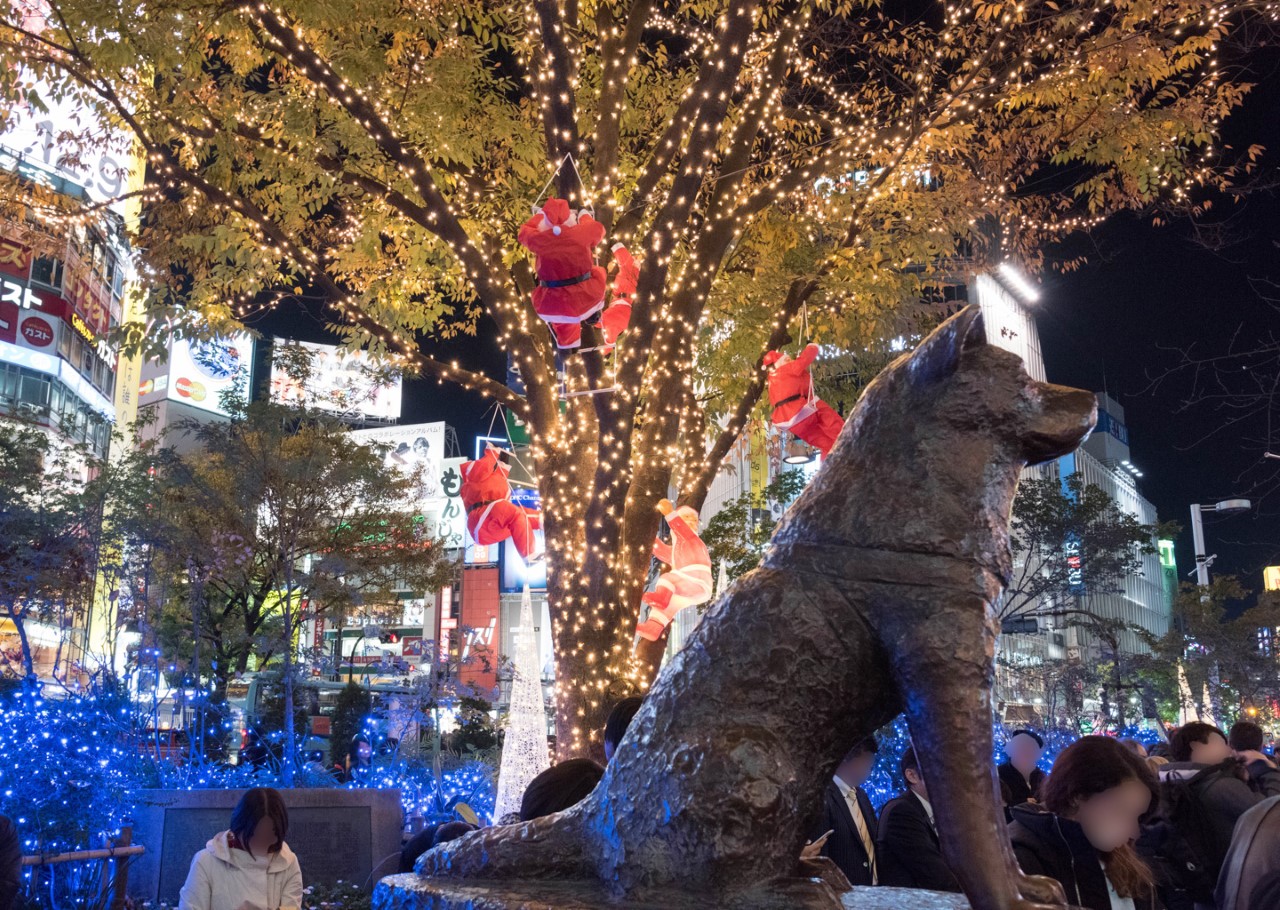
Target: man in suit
(850, 818)
(1020, 773)
(908, 849)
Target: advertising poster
(198, 372)
(340, 381)
(416, 448)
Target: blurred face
(1024, 752)
(264, 837)
(1110, 818)
(1212, 752)
(364, 751)
(856, 770)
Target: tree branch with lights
(813, 172)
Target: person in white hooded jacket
(249, 866)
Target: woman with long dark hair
(248, 866)
(1083, 831)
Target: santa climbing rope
(491, 515)
(571, 286)
(688, 582)
(795, 406)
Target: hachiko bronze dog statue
(876, 597)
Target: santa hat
(556, 214)
(775, 359)
(687, 514)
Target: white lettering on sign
(479, 637)
(12, 292)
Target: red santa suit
(614, 320)
(795, 407)
(688, 583)
(491, 515)
(571, 287)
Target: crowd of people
(1191, 824)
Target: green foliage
(1215, 636)
(354, 704)
(1045, 519)
(273, 516)
(737, 535)
(46, 521)
(476, 732)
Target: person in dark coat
(909, 850)
(10, 863)
(1224, 784)
(848, 820)
(1020, 774)
(559, 787)
(1253, 858)
(427, 838)
(1083, 832)
(615, 727)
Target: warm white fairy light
(686, 162)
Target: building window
(47, 271)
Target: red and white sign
(36, 332)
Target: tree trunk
(594, 583)
(28, 664)
(1215, 692)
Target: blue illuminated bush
(69, 767)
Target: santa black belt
(481, 505)
(804, 397)
(564, 283)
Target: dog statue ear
(939, 354)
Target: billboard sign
(198, 372)
(1271, 578)
(415, 448)
(339, 381)
(515, 572)
(61, 143)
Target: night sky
(1146, 294)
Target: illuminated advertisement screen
(515, 572)
(61, 143)
(418, 448)
(340, 381)
(198, 372)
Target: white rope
(554, 174)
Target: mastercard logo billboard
(191, 389)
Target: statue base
(413, 892)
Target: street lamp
(799, 452)
(1226, 507)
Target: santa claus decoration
(491, 515)
(795, 406)
(615, 319)
(571, 287)
(688, 582)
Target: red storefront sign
(481, 618)
(37, 332)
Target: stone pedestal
(411, 892)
